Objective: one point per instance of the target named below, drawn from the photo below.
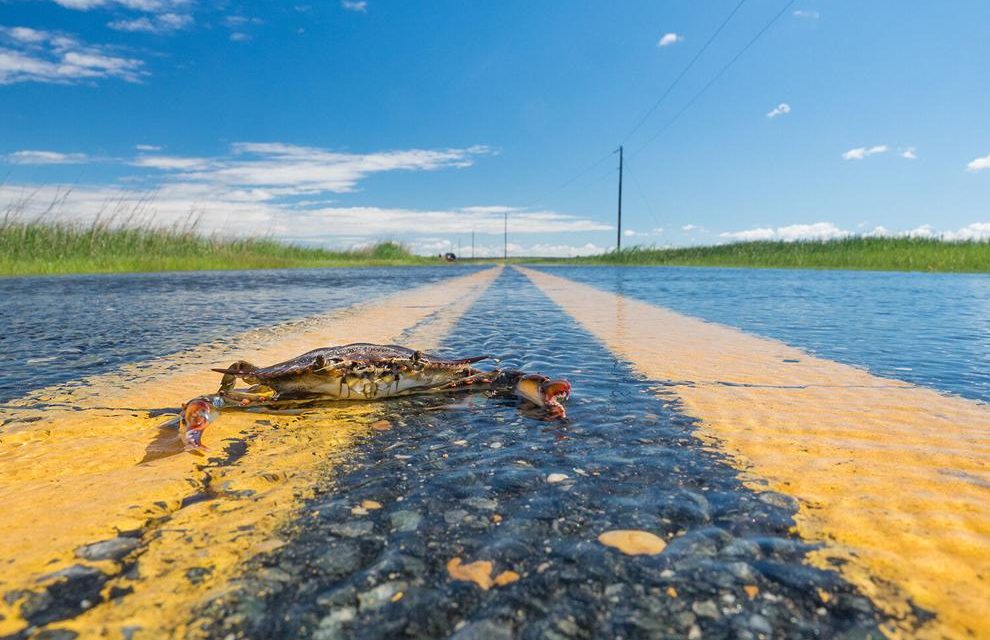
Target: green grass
(35, 248)
(41, 247)
(880, 254)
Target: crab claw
(553, 390)
(544, 393)
(196, 415)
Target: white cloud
(31, 55)
(150, 6)
(789, 233)
(45, 157)
(828, 231)
(628, 233)
(807, 14)
(240, 21)
(170, 163)
(656, 231)
(160, 23)
(979, 164)
(924, 231)
(974, 231)
(779, 110)
(861, 152)
(355, 5)
(147, 147)
(750, 235)
(237, 36)
(909, 154)
(690, 227)
(27, 35)
(668, 39)
(307, 169)
(252, 211)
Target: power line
(579, 174)
(715, 78)
(683, 72)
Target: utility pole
(505, 240)
(618, 233)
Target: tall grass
(881, 254)
(40, 246)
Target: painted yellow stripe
(75, 477)
(893, 477)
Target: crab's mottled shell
(360, 371)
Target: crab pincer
(544, 393)
(195, 416)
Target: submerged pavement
(475, 518)
(894, 477)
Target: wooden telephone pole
(618, 233)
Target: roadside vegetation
(38, 248)
(112, 244)
(881, 254)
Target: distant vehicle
(450, 257)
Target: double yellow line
(76, 476)
(893, 479)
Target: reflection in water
(930, 329)
(484, 523)
(54, 329)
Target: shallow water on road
(54, 329)
(522, 500)
(482, 482)
(930, 329)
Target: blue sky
(342, 123)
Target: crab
(359, 371)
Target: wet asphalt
(484, 479)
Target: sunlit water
(484, 479)
(930, 329)
(54, 329)
(468, 478)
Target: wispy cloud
(171, 163)
(246, 211)
(282, 189)
(355, 5)
(306, 169)
(861, 152)
(45, 157)
(147, 147)
(789, 233)
(807, 14)
(670, 38)
(150, 6)
(979, 164)
(828, 231)
(779, 110)
(31, 55)
(909, 154)
(160, 23)
(690, 227)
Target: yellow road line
(893, 477)
(75, 477)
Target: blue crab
(359, 371)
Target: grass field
(881, 254)
(37, 248)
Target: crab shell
(357, 371)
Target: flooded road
(469, 517)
